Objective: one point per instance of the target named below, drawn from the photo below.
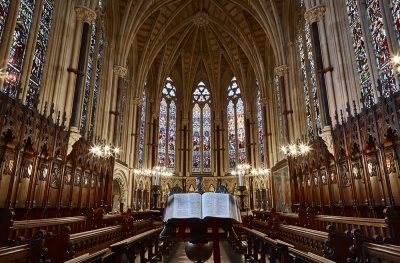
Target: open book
(201, 206)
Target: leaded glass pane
(142, 130)
(96, 85)
(206, 138)
(381, 47)
(313, 77)
(89, 72)
(201, 136)
(196, 144)
(4, 7)
(167, 126)
(395, 7)
(360, 50)
(231, 135)
(162, 132)
(240, 131)
(304, 78)
(18, 47)
(40, 53)
(260, 129)
(171, 136)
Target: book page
(183, 206)
(216, 205)
(234, 209)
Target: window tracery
(236, 126)
(167, 126)
(201, 127)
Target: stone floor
(177, 255)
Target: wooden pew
(18, 254)
(136, 245)
(329, 244)
(92, 258)
(93, 240)
(375, 229)
(375, 253)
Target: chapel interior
(112, 109)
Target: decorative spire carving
(315, 14)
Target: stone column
(264, 105)
(315, 18)
(120, 74)
(282, 73)
(78, 64)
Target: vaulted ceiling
(192, 40)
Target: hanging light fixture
(104, 151)
(396, 62)
(295, 149)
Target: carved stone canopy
(120, 71)
(281, 70)
(86, 14)
(315, 14)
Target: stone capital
(281, 70)
(315, 14)
(120, 71)
(85, 14)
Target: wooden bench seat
(16, 254)
(92, 258)
(137, 244)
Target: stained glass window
(308, 76)
(279, 109)
(40, 53)
(395, 7)
(89, 73)
(96, 85)
(236, 126)
(196, 126)
(304, 78)
(167, 126)
(4, 6)
(360, 50)
(201, 129)
(260, 129)
(313, 77)
(381, 46)
(142, 130)
(18, 48)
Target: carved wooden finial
(354, 107)
(341, 116)
(336, 117)
(58, 118)
(45, 109)
(64, 119)
(51, 110)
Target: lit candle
(241, 178)
(157, 181)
